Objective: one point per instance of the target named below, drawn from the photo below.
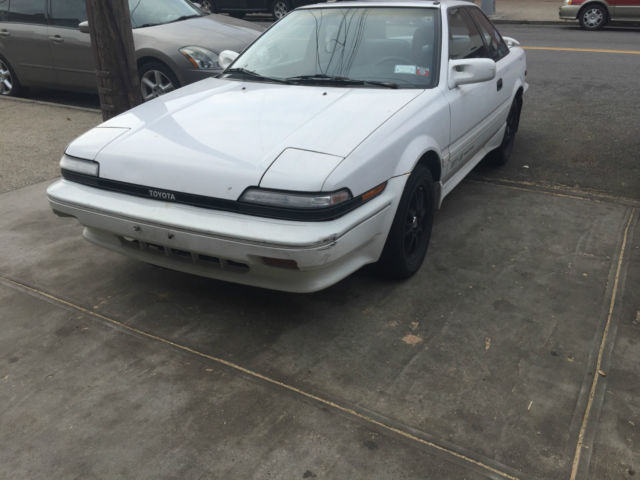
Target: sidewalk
(526, 11)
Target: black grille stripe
(212, 203)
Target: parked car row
(45, 43)
(239, 8)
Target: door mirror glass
(226, 58)
(472, 70)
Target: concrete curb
(51, 104)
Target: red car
(595, 14)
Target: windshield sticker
(412, 70)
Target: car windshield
(365, 46)
(146, 13)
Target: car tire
(9, 83)
(501, 155)
(208, 6)
(593, 16)
(280, 8)
(237, 14)
(156, 79)
(410, 232)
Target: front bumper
(231, 246)
(569, 12)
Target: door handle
(56, 39)
(499, 84)
(4, 33)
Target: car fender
(591, 2)
(397, 146)
(145, 55)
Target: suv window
(68, 13)
(27, 11)
(492, 38)
(464, 38)
(4, 10)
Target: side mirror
(511, 42)
(472, 70)
(226, 58)
(84, 26)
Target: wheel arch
(593, 2)
(151, 56)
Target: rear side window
(68, 13)
(27, 11)
(492, 38)
(464, 38)
(4, 10)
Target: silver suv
(44, 43)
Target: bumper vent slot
(182, 256)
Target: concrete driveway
(512, 354)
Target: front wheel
(593, 17)
(410, 231)
(279, 9)
(9, 85)
(156, 79)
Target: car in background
(595, 14)
(238, 8)
(45, 43)
(326, 145)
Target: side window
(68, 13)
(492, 38)
(27, 11)
(4, 10)
(464, 38)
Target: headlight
(79, 165)
(275, 198)
(201, 58)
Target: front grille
(183, 256)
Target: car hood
(215, 32)
(218, 137)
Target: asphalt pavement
(513, 353)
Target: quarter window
(27, 11)
(464, 38)
(492, 38)
(68, 13)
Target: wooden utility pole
(113, 50)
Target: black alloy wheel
(501, 155)
(410, 232)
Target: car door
(626, 9)
(25, 42)
(507, 71)
(71, 49)
(472, 105)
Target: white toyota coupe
(326, 145)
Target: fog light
(280, 263)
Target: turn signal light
(280, 263)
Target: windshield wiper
(256, 75)
(322, 78)
(144, 25)
(185, 17)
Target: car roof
(391, 3)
